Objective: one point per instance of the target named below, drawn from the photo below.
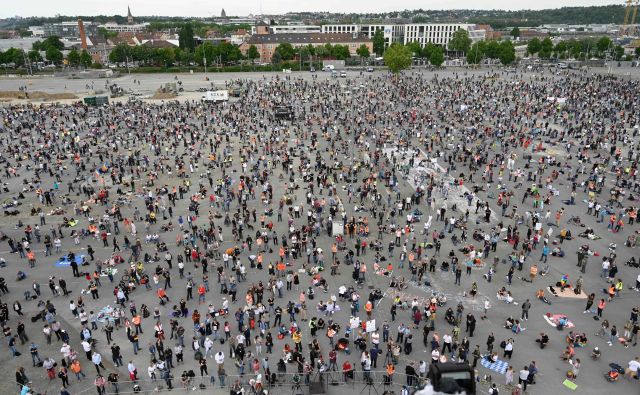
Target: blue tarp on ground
(64, 261)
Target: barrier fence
(252, 384)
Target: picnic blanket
(553, 320)
(64, 261)
(498, 366)
(570, 384)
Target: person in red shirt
(347, 370)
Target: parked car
(369, 69)
(343, 74)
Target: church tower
(129, 16)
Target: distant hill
(496, 18)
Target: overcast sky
(201, 8)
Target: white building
(391, 33)
(437, 33)
(423, 33)
(133, 28)
(283, 29)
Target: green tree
(475, 54)
(534, 46)
(206, 51)
(637, 51)
(276, 58)
(163, 56)
(437, 56)
(560, 48)
(73, 57)
(428, 50)
(603, 44)
(252, 53)
(546, 47)
(54, 55)
(286, 51)
(415, 48)
(618, 52)
(492, 49)
(106, 34)
(340, 52)
(185, 37)
(13, 55)
(85, 58)
(363, 51)
(378, 42)
(460, 41)
(515, 32)
(53, 42)
(34, 56)
(397, 57)
(507, 52)
(120, 53)
(322, 52)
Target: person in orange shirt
(201, 293)
(368, 307)
(162, 295)
(77, 369)
(137, 321)
(31, 256)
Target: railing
(248, 383)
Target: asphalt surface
(552, 369)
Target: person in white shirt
(633, 368)
(208, 348)
(219, 357)
(151, 370)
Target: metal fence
(253, 384)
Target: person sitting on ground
(540, 296)
(509, 323)
(543, 340)
(568, 353)
(596, 354)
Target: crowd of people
(222, 245)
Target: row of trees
(504, 51)
(585, 48)
(52, 48)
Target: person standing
(523, 377)
(525, 310)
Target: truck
(96, 100)
(215, 96)
(452, 378)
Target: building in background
(282, 29)
(391, 32)
(67, 30)
(267, 43)
(438, 33)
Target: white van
(328, 67)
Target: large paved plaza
(479, 168)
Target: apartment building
(423, 33)
(266, 44)
(285, 29)
(436, 33)
(391, 32)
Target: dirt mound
(36, 95)
(163, 95)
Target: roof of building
(307, 38)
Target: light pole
(204, 60)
